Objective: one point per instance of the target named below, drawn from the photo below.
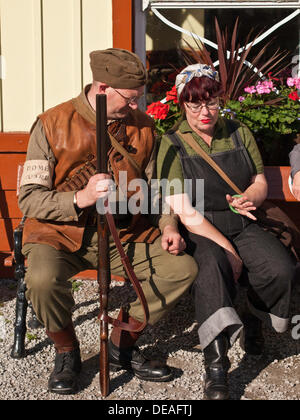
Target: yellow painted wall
(159, 36)
(45, 47)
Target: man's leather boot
(217, 365)
(123, 354)
(251, 338)
(63, 379)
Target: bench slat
(278, 188)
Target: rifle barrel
(103, 275)
(101, 134)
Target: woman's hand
(172, 241)
(235, 262)
(242, 205)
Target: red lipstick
(205, 121)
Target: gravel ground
(273, 376)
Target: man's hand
(172, 241)
(97, 187)
(296, 185)
(242, 205)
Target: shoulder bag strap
(188, 138)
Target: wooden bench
(279, 192)
(13, 147)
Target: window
(165, 25)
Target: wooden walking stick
(103, 275)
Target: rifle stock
(103, 275)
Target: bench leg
(18, 349)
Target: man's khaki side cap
(118, 68)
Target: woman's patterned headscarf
(194, 70)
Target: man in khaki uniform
(60, 237)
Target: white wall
(45, 47)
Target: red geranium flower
(294, 95)
(172, 95)
(158, 110)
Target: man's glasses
(129, 101)
(212, 106)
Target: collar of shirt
(221, 140)
(86, 102)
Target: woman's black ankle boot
(217, 365)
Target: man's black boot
(123, 354)
(217, 365)
(251, 338)
(63, 379)
(131, 359)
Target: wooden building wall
(44, 53)
(44, 60)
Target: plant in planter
(264, 100)
(271, 109)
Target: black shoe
(63, 379)
(131, 359)
(216, 367)
(251, 338)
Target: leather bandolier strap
(81, 178)
(116, 131)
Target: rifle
(103, 274)
(105, 223)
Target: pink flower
(241, 98)
(158, 110)
(250, 89)
(262, 89)
(290, 81)
(265, 87)
(293, 81)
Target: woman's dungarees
(267, 266)
(237, 165)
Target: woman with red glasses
(225, 239)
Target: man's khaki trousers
(164, 277)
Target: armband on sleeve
(37, 172)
